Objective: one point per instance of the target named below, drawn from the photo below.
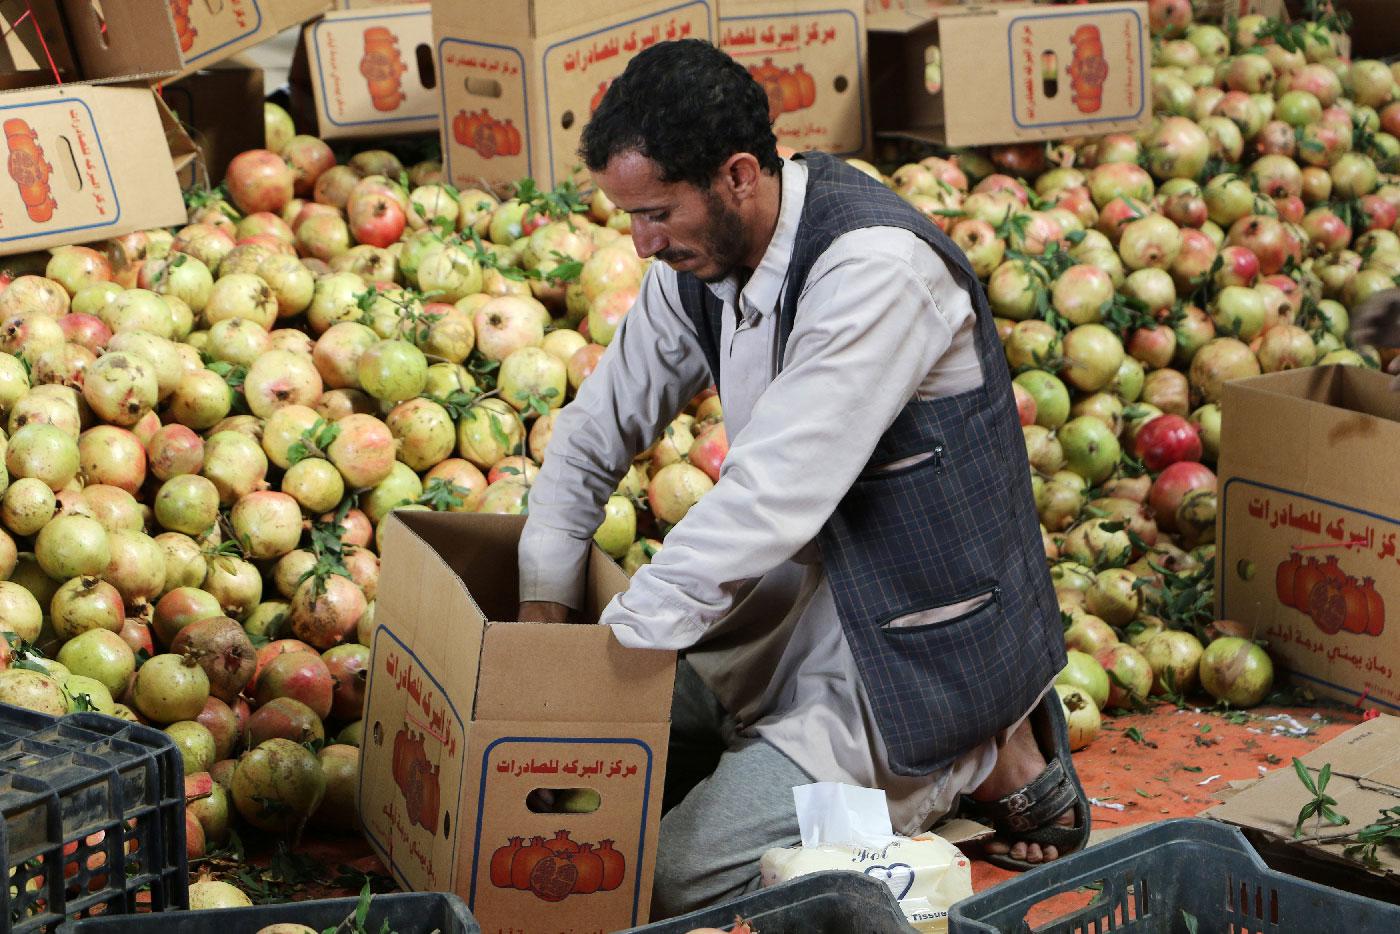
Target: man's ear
(740, 175)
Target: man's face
(690, 229)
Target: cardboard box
(466, 716)
(222, 109)
(85, 163)
(370, 73)
(1008, 74)
(1307, 468)
(1365, 779)
(212, 30)
(810, 58)
(517, 85)
(72, 41)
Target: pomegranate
(258, 180)
(325, 614)
(102, 655)
(170, 688)
(222, 649)
(136, 568)
(1236, 671)
(349, 668)
(284, 718)
(1172, 486)
(300, 675)
(1130, 675)
(340, 764)
(1081, 671)
(278, 786)
(281, 377)
(222, 723)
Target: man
(863, 596)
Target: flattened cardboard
(809, 55)
(82, 165)
(212, 30)
(467, 716)
(1365, 779)
(222, 108)
(1325, 492)
(367, 72)
(1011, 73)
(131, 40)
(517, 84)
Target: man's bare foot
(1019, 762)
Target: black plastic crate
(820, 903)
(1150, 880)
(93, 819)
(406, 912)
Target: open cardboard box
(809, 55)
(465, 716)
(518, 82)
(367, 73)
(1365, 779)
(979, 75)
(1307, 474)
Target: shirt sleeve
(869, 329)
(652, 368)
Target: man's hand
(542, 611)
(1376, 320)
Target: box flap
(209, 32)
(126, 40)
(571, 673)
(421, 579)
(1271, 805)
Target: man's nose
(647, 238)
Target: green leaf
(1303, 775)
(1324, 777)
(1189, 920)
(1134, 734)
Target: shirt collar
(764, 288)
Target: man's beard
(725, 240)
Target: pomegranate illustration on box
(383, 67)
(1088, 70)
(788, 89)
(1332, 599)
(184, 27)
(555, 869)
(416, 779)
(30, 170)
(484, 133)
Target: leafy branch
(1321, 804)
(557, 203)
(328, 545)
(315, 441)
(442, 495)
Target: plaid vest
(957, 525)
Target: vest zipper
(938, 458)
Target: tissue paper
(848, 828)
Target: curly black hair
(687, 106)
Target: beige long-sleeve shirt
(739, 583)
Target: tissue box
(927, 874)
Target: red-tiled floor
(1183, 759)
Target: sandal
(1029, 814)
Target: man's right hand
(542, 611)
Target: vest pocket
(931, 457)
(948, 614)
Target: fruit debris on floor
(204, 428)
